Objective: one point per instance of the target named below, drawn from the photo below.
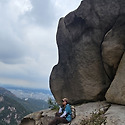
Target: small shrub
(53, 104)
(97, 118)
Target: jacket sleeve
(60, 110)
(63, 115)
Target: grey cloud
(27, 47)
(3, 1)
(42, 13)
(26, 77)
(11, 49)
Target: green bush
(53, 104)
(97, 118)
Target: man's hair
(65, 99)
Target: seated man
(64, 114)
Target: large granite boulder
(116, 92)
(113, 53)
(115, 115)
(81, 75)
(113, 47)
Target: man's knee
(58, 119)
(58, 114)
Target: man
(64, 114)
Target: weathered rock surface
(113, 47)
(90, 43)
(38, 118)
(82, 112)
(116, 92)
(115, 115)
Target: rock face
(91, 43)
(114, 114)
(116, 92)
(38, 118)
(113, 47)
(82, 112)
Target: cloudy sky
(28, 49)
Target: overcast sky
(28, 49)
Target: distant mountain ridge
(45, 91)
(4, 91)
(13, 109)
(39, 94)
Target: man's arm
(60, 109)
(64, 114)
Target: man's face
(64, 102)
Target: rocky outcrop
(116, 92)
(38, 118)
(114, 114)
(113, 47)
(82, 112)
(91, 44)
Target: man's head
(64, 101)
